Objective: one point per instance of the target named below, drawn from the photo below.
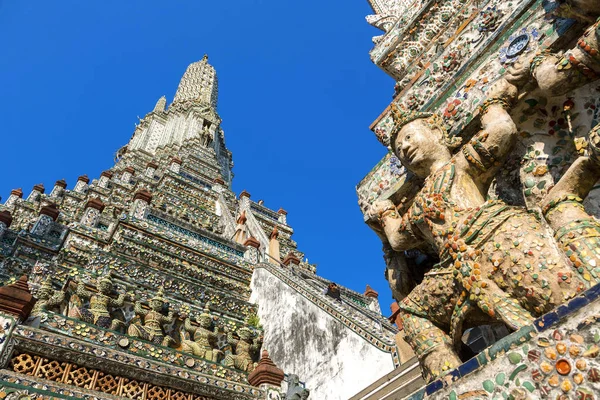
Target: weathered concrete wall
(303, 339)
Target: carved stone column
(141, 204)
(5, 221)
(151, 169)
(373, 296)
(274, 256)
(59, 189)
(15, 195)
(48, 214)
(175, 165)
(127, 175)
(36, 193)
(244, 200)
(252, 253)
(82, 184)
(92, 211)
(105, 178)
(282, 216)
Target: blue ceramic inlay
(468, 367)
(434, 387)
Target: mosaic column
(16, 302)
(58, 190)
(127, 175)
(252, 253)
(282, 216)
(274, 256)
(218, 185)
(15, 195)
(105, 178)
(5, 221)
(244, 200)
(36, 193)
(151, 169)
(268, 377)
(290, 260)
(175, 165)
(373, 297)
(141, 204)
(92, 211)
(82, 184)
(48, 214)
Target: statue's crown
(401, 117)
(160, 295)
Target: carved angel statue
(47, 297)
(151, 328)
(205, 339)
(245, 350)
(497, 262)
(98, 312)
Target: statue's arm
(557, 74)
(82, 291)
(56, 298)
(119, 301)
(486, 151)
(138, 309)
(391, 226)
(187, 325)
(169, 318)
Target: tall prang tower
(156, 281)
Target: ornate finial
(205, 57)
(160, 295)
(106, 278)
(47, 284)
(206, 311)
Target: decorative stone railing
(226, 217)
(118, 354)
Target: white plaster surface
(301, 338)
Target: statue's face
(418, 146)
(156, 305)
(204, 322)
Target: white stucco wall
(301, 338)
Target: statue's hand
(519, 73)
(503, 89)
(379, 207)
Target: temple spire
(198, 84)
(160, 104)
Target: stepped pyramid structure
(155, 281)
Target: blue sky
(297, 93)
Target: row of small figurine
(148, 324)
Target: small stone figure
(47, 297)
(206, 137)
(153, 320)
(295, 391)
(98, 312)
(245, 348)
(205, 340)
